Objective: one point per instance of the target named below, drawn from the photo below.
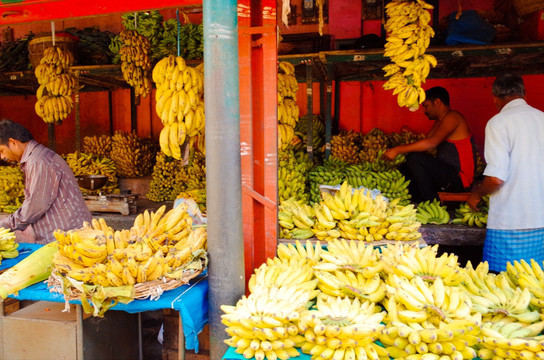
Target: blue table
(190, 300)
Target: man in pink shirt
(52, 196)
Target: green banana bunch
(326, 174)
(293, 168)
(191, 176)
(464, 215)
(431, 212)
(408, 38)
(161, 187)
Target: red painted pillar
(258, 129)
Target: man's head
(506, 88)
(437, 100)
(13, 140)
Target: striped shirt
(52, 196)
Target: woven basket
(37, 46)
(526, 7)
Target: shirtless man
(452, 169)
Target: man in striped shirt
(52, 196)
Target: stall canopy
(25, 11)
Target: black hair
(9, 129)
(508, 85)
(438, 92)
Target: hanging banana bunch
(288, 110)
(180, 104)
(57, 82)
(135, 61)
(409, 35)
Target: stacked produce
(405, 136)
(180, 106)
(464, 215)
(161, 187)
(160, 245)
(408, 37)
(8, 246)
(432, 212)
(132, 155)
(88, 164)
(56, 85)
(326, 174)
(288, 110)
(135, 61)
(293, 168)
(97, 145)
(347, 147)
(11, 188)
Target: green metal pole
(223, 164)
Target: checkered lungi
(502, 246)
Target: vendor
(452, 170)
(52, 196)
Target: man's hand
(473, 201)
(390, 154)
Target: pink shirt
(52, 196)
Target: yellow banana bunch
(133, 155)
(54, 95)
(341, 328)
(288, 110)
(263, 324)
(97, 145)
(88, 164)
(135, 61)
(511, 340)
(283, 274)
(296, 218)
(353, 255)
(309, 252)
(464, 215)
(457, 339)
(8, 246)
(530, 276)
(408, 38)
(179, 103)
(11, 188)
(495, 293)
(410, 260)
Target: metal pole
(223, 171)
(310, 108)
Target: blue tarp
(232, 355)
(190, 300)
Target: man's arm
(444, 128)
(489, 185)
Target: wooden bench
(448, 196)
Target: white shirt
(514, 152)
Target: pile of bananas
(161, 187)
(431, 212)
(8, 246)
(295, 219)
(12, 188)
(411, 260)
(528, 276)
(288, 110)
(135, 61)
(341, 328)
(179, 103)
(160, 244)
(405, 136)
(492, 294)
(88, 164)
(97, 145)
(54, 95)
(409, 35)
(132, 155)
(264, 324)
(464, 215)
(293, 168)
(148, 24)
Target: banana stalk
(31, 270)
